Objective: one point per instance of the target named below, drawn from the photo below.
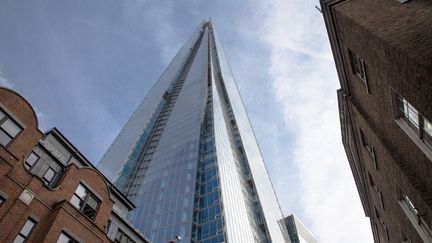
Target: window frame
(28, 165)
(46, 180)
(377, 190)
(358, 68)
(370, 149)
(68, 236)
(419, 135)
(8, 117)
(87, 194)
(120, 234)
(26, 236)
(2, 200)
(404, 238)
(414, 216)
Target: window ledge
(414, 137)
(418, 223)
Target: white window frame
(5, 117)
(89, 193)
(416, 134)
(414, 216)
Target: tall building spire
(188, 157)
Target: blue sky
(86, 65)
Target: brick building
(383, 55)
(49, 192)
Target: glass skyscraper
(188, 157)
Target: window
(49, 175)
(358, 68)
(384, 226)
(31, 160)
(9, 129)
(25, 231)
(2, 200)
(421, 128)
(408, 112)
(369, 148)
(405, 199)
(404, 238)
(108, 226)
(121, 237)
(65, 238)
(377, 190)
(414, 216)
(85, 201)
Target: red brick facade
(50, 207)
(391, 162)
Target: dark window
(369, 148)
(49, 175)
(404, 238)
(85, 201)
(108, 226)
(2, 200)
(25, 231)
(122, 237)
(65, 238)
(31, 160)
(9, 129)
(378, 191)
(358, 68)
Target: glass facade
(191, 163)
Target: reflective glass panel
(10, 127)
(28, 226)
(49, 175)
(4, 138)
(31, 159)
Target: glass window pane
(28, 226)
(31, 159)
(11, 127)
(4, 138)
(2, 114)
(81, 191)
(92, 202)
(49, 174)
(64, 238)
(19, 239)
(427, 127)
(89, 212)
(413, 115)
(2, 200)
(77, 202)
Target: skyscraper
(297, 232)
(188, 157)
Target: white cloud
(3, 81)
(305, 83)
(43, 119)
